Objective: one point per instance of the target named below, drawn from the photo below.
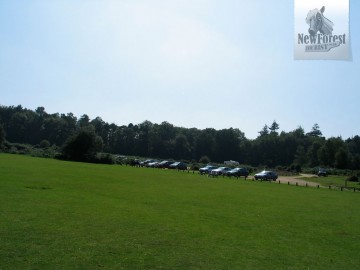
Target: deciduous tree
(2, 135)
(82, 146)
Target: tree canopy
(81, 138)
(2, 135)
(83, 145)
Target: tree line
(271, 148)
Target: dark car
(178, 166)
(220, 171)
(266, 175)
(207, 169)
(238, 172)
(322, 172)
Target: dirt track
(294, 180)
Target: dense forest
(271, 148)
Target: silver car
(220, 171)
(266, 175)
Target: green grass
(332, 180)
(64, 215)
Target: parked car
(164, 164)
(220, 171)
(207, 169)
(152, 164)
(145, 162)
(178, 165)
(238, 172)
(266, 175)
(322, 172)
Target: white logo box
(321, 30)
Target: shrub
(82, 146)
(195, 167)
(104, 158)
(204, 160)
(2, 135)
(118, 159)
(134, 162)
(353, 178)
(44, 144)
(130, 161)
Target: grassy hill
(65, 215)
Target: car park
(266, 175)
(238, 172)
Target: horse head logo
(318, 22)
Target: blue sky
(193, 63)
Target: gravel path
(293, 180)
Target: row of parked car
(237, 172)
(216, 171)
(209, 169)
(165, 164)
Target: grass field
(332, 180)
(64, 215)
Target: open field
(335, 181)
(65, 215)
(331, 180)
